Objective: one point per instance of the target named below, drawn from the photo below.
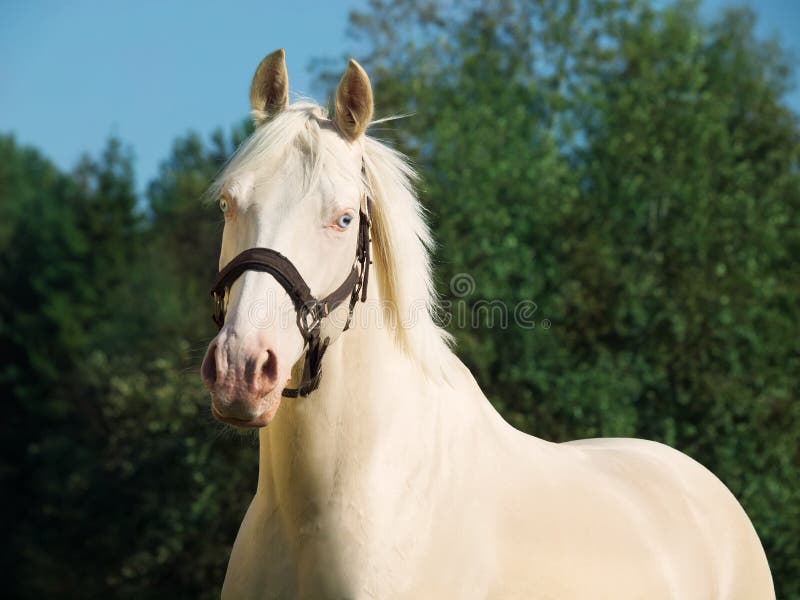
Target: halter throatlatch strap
(310, 311)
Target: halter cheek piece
(310, 311)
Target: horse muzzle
(245, 392)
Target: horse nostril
(209, 369)
(261, 372)
(268, 373)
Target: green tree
(123, 485)
(634, 171)
(65, 246)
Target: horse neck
(317, 442)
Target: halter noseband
(310, 311)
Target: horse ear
(353, 101)
(269, 92)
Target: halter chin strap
(310, 311)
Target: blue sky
(74, 72)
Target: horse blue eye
(345, 220)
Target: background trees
(122, 483)
(633, 170)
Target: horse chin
(271, 403)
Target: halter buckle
(309, 317)
(219, 307)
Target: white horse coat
(397, 478)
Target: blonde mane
(401, 239)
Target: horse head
(294, 246)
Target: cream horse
(396, 478)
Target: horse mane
(401, 238)
(402, 245)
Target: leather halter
(310, 310)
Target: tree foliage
(123, 484)
(631, 169)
